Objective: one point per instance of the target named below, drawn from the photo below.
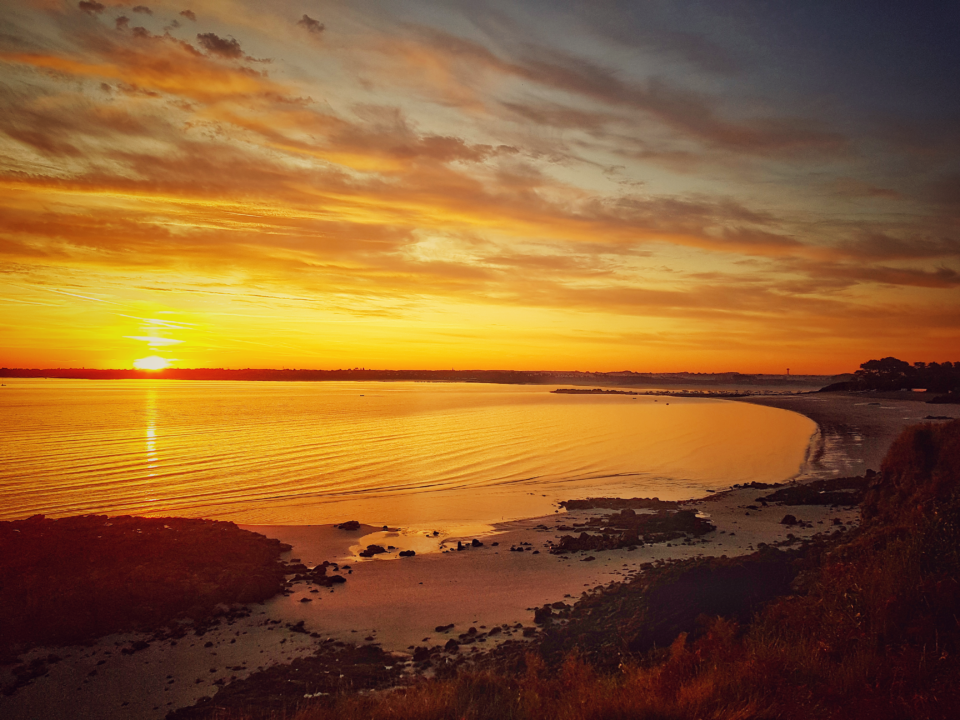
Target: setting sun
(154, 362)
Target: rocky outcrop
(372, 550)
(629, 528)
(614, 503)
(834, 491)
(283, 690)
(75, 579)
(318, 575)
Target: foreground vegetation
(870, 630)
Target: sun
(154, 362)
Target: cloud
(498, 185)
(143, 9)
(453, 65)
(221, 47)
(91, 7)
(122, 22)
(160, 64)
(315, 27)
(946, 191)
(884, 246)
(854, 188)
(189, 15)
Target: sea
(420, 455)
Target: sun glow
(154, 362)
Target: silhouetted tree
(890, 373)
(886, 374)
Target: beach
(855, 429)
(398, 603)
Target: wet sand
(855, 429)
(398, 602)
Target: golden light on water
(153, 362)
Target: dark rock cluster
(372, 550)
(317, 575)
(282, 690)
(614, 503)
(834, 491)
(630, 529)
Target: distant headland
(509, 377)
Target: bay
(414, 454)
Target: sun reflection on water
(153, 460)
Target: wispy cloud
(399, 170)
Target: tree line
(891, 373)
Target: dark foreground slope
(75, 579)
(857, 625)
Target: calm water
(407, 453)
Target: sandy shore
(855, 429)
(399, 602)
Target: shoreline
(855, 430)
(398, 603)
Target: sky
(648, 186)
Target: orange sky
(523, 185)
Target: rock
(588, 558)
(420, 654)
(443, 628)
(541, 616)
(459, 546)
(407, 553)
(452, 646)
(496, 544)
(372, 550)
(476, 543)
(619, 503)
(833, 491)
(788, 520)
(303, 600)
(349, 525)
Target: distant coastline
(505, 377)
(684, 393)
